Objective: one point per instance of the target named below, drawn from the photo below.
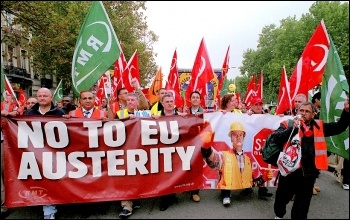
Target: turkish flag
(225, 67)
(283, 101)
(202, 73)
(117, 80)
(172, 85)
(22, 98)
(310, 67)
(100, 92)
(224, 71)
(131, 71)
(251, 92)
(259, 91)
(9, 90)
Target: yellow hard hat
(237, 126)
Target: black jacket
(307, 143)
(53, 111)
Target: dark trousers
(345, 171)
(262, 190)
(301, 186)
(225, 193)
(195, 192)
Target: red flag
(259, 91)
(9, 90)
(172, 85)
(201, 74)
(131, 71)
(145, 92)
(225, 67)
(310, 67)
(251, 92)
(22, 98)
(224, 71)
(283, 101)
(100, 92)
(117, 80)
(156, 85)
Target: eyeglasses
(304, 110)
(65, 101)
(30, 103)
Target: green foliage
(283, 45)
(55, 26)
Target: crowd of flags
(97, 48)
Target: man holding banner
(45, 107)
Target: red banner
(52, 160)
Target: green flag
(334, 90)
(58, 94)
(3, 87)
(97, 48)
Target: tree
(283, 45)
(54, 33)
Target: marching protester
(236, 171)
(120, 103)
(157, 107)
(195, 109)
(132, 101)
(104, 104)
(86, 109)
(8, 109)
(168, 103)
(229, 103)
(299, 98)
(67, 104)
(45, 107)
(314, 157)
(31, 101)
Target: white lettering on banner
(96, 162)
(93, 132)
(56, 133)
(147, 131)
(36, 134)
(54, 165)
(81, 167)
(108, 133)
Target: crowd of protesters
(125, 107)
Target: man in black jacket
(313, 158)
(45, 107)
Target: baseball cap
(257, 100)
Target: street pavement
(331, 203)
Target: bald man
(45, 107)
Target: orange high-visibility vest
(96, 114)
(321, 159)
(7, 106)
